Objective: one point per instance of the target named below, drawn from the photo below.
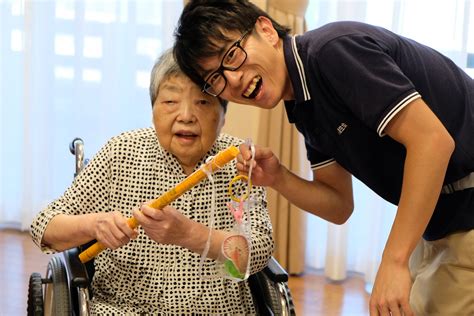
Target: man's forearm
(425, 169)
(316, 197)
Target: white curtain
(70, 68)
(447, 26)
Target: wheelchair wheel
(35, 295)
(56, 296)
(291, 304)
(278, 296)
(272, 294)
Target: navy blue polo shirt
(350, 79)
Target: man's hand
(165, 226)
(111, 230)
(391, 292)
(266, 166)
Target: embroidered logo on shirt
(341, 128)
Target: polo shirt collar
(296, 71)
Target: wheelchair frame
(66, 288)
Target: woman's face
(187, 121)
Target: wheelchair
(65, 290)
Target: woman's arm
(77, 216)
(169, 226)
(68, 231)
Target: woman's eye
(169, 102)
(203, 102)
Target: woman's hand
(165, 226)
(111, 229)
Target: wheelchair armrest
(275, 272)
(75, 268)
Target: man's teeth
(252, 86)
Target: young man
(397, 115)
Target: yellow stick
(217, 162)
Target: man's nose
(233, 77)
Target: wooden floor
(312, 293)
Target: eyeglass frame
(221, 68)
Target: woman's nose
(186, 113)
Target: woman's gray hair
(164, 68)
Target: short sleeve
(85, 195)
(366, 79)
(316, 158)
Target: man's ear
(266, 30)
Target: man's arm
(328, 195)
(429, 147)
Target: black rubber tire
(274, 297)
(292, 309)
(35, 295)
(271, 294)
(56, 272)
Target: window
(71, 68)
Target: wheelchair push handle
(76, 147)
(216, 163)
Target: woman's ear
(266, 30)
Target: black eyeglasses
(234, 58)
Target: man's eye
(230, 56)
(213, 79)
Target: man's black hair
(202, 27)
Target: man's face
(262, 80)
(187, 121)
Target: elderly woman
(156, 268)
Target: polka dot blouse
(143, 277)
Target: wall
(242, 121)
